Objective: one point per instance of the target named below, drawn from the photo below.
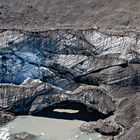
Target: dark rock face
(101, 71)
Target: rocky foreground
(101, 71)
(115, 16)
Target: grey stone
(102, 126)
(107, 128)
(128, 112)
(23, 136)
(133, 133)
(5, 117)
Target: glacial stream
(48, 128)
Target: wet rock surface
(38, 70)
(23, 136)
(5, 117)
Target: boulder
(5, 117)
(102, 126)
(23, 136)
(107, 128)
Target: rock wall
(67, 56)
(86, 66)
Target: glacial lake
(47, 128)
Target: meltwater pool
(47, 129)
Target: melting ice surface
(47, 129)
